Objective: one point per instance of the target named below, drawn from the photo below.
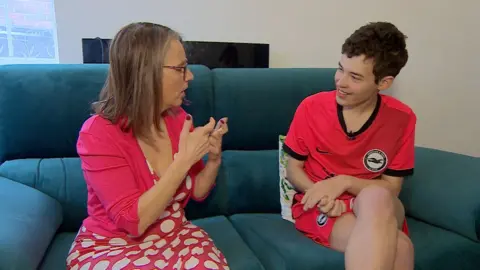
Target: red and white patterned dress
(106, 240)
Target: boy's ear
(385, 83)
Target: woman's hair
(132, 92)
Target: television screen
(95, 50)
(228, 54)
(209, 53)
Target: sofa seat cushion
(439, 249)
(29, 220)
(56, 255)
(279, 245)
(238, 255)
(227, 240)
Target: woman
(141, 160)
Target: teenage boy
(349, 151)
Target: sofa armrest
(444, 191)
(29, 220)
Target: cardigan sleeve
(111, 179)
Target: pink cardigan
(117, 174)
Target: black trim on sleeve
(398, 173)
(293, 154)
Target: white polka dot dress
(170, 243)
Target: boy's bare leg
(370, 238)
(404, 260)
(373, 240)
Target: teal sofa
(43, 194)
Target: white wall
(440, 81)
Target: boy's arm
(296, 148)
(297, 176)
(392, 183)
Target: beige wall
(440, 82)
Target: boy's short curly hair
(383, 43)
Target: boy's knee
(399, 212)
(375, 200)
(405, 247)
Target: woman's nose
(189, 76)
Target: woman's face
(176, 76)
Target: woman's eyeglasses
(182, 69)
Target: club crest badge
(322, 219)
(375, 160)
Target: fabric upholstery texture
(29, 221)
(444, 191)
(260, 103)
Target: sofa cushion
(60, 178)
(252, 181)
(439, 249)
(227, 239)
(215, 204)
(260, 103)
(247, 182)
(444, 191)
(59, 98)
(56, 255)
(238, 255)
(29, 220)
(279, 245)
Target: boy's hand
(330, 189)
(325, 204)
(334, 208)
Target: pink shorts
(317, 225)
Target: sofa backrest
(260, 103)
(42, 108)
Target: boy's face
(355, 81)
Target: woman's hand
(194, 145)
(215, 140)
